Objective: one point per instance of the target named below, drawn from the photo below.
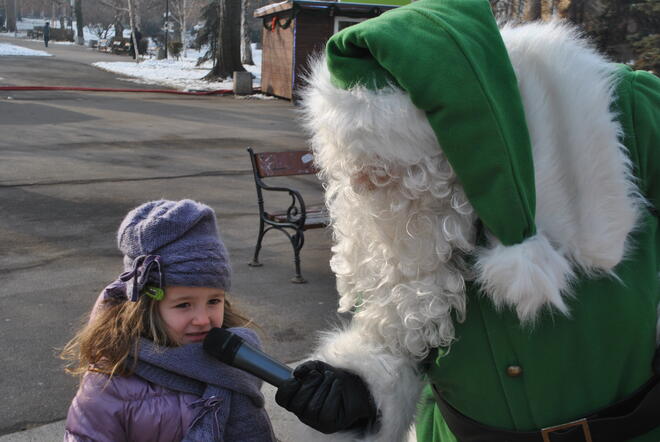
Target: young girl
(145, 376)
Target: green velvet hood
(448, 56)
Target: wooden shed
(295, 29)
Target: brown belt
(633, 416)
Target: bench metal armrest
(295, 213)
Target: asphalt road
(72, 164)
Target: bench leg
(255, 259)
(297, 241)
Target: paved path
(70, 65)
(72, 164)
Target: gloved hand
(328, 399)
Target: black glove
(328, 399)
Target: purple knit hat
(178, 238)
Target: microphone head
(222, 344)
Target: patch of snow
(255, 97)
(182, 74)
(13, 50)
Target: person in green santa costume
(494, 196)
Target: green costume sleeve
(639, 103)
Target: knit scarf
(188, 369)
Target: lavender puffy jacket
(127, 409)
(132, 409)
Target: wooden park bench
(295, 219)
(121, 46)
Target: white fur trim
(412, 434)
(394, 382)
(586, 201)
(527, 276)
(401, 221)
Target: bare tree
(80, 39)
(533, 10)
(10, 10)
(221, 32)
(123, 8)
(133, 17)
(509, 10)
(101, 30)
(182, 13)
(35, 8)
(246, 48)
(99, 18)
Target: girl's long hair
(112, 335)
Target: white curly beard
(400, 220)
(395, 256)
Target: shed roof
(339, 7)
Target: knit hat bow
(131, 284)
(174, 243)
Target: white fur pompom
(527, 276)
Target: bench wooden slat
(272, 164)
(315, 217)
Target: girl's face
(189, 313)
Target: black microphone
(233, 350)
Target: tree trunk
(576, 11)
(80, 38)
(228, 49)
(166, 26)
(119, 28)
(533, 10)
(131, 20)
(137, 17)
(563, 8)
(11, 15)
(184, 12)
(246, 48)
(516, 9)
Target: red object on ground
(101, 89)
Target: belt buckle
(545, 432)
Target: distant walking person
(46, 33)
